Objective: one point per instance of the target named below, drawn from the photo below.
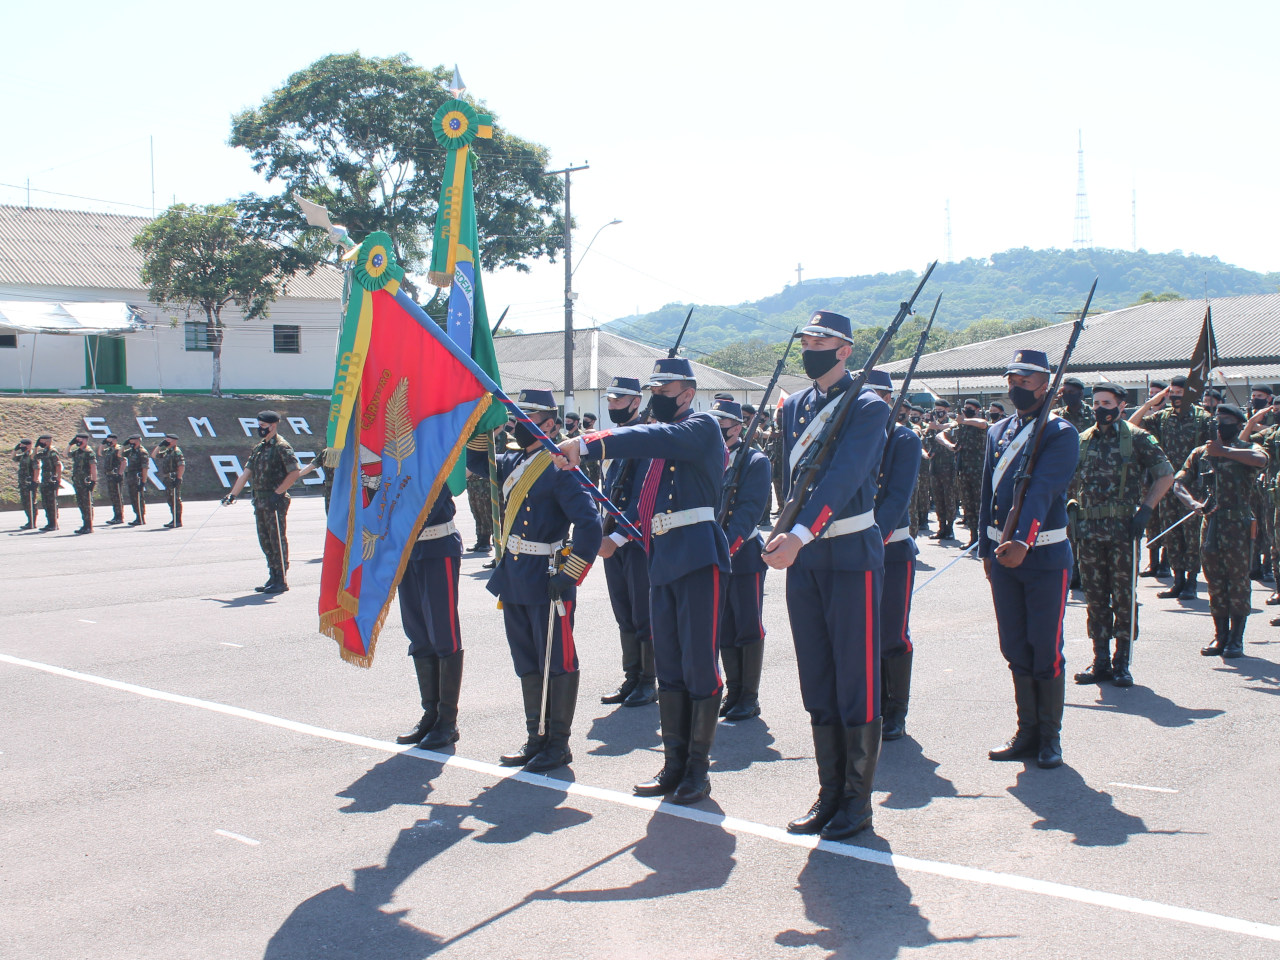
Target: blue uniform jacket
(741, 526)
(554, 502)
(846, 484)
(692, 477)
(626, 500)
(442, 511)
(898, 470)
(1045, 506)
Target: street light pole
(568, 285)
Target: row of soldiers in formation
(687, 592)
(40, 472)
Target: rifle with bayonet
(622, 483)
(911, 370)
(811, 464)
(1022, 479)
(744, 451)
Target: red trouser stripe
(715, 621)
(567, 650)
(906, 604)
(1062, 612)
(759, 606)
(869, 641)
(453, 603)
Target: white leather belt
(532, 547)
(902, 533)
(438, 531)
(842, 528)
(662, 522)
(1045, 537)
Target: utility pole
(569, 295)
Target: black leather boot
(445, 730)
(895, 687)
(731, 663)
(531, 691)
(1026, 741)
(1221, 628)
(1235, 637)
(646, 691)
(1101, 669)
(1179, 584)
(828, 751)
(674, 714)
(271, 582)
(1120, 674)
(1153, 563)
(1190, 590)
(1050, 700)
(630, 668)
(861, 753)
(695, 785)
(427, 669)
(748, 704)
(562, 700)
(1163, 570)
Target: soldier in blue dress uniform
(834, 558)
(688, 561)
(540, 504)
(742, 624)
(429, 613)
(1031, 573)
(899, 468)
(626, 565)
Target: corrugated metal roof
(1150, 336)
(72, 248)
(537, 360)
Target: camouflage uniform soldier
(773, 450)
(1261, 399)
(942, 472)
(26, 461)
(481, 510)
(920, 495)
(172, 465)
(968, 440)
(84, 477)
(113, 470)
(1179, 432)
(136, 465)
(1269, 439)
(1215, 482)
(273, 468)
(1079, 416)
(50, 479)
(317, 463)
(1112, 517)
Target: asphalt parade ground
(188, 769)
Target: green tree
(1150, 297)
(203, 257)
(354, 133)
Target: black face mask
(42, 446)
(1260, 403)
(1023, 398)
(994, 415)
(620, 416)
(724, 432)
(915, 419)
(970, 412)
(263, 431)
(1105, 415)
(1072, 398)
(818, 362)
(524, 436)
(1227, 432)
(664, 408)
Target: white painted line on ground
(88, 621)
(1060, 891)
(239, 836)
(228, 643)
(1138, 786)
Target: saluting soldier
(834, 558)
(271, 470)
(967, 440)
(533, 586)
(688, 561)
(172, 466)
(626, 564)
(899, 471)
(942, 470)
(136, 465)
(113, 470)
(1030, 573)
(84, 477)
(1180, 428)
(50, 480)
(742, 626)
(1112, 517)
(25, 459)
(1215, 483)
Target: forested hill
(1009, 286)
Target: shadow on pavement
(910, 778)
(1140, 701)
(739, 745)
(399, 779)
(518, 810)
(249, 600)
(1255, 670)
(1064, 802)
(623, 730)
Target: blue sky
(733, 140)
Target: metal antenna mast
(1083, 238)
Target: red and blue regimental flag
(414, 399)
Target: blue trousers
(835, 626)
(895, 607)
(1030, 605)
(627, 575)
(685, 618)
(526, 625)
(429, 605)
(743, 621)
